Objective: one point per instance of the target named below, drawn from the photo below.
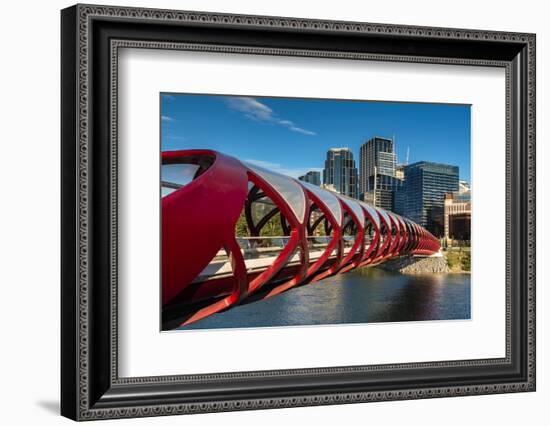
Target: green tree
(273, 227)
(241, 227)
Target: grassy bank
(458, 260)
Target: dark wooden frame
(91, 388)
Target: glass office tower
(423, 196)
(312, 177)
(340, 171)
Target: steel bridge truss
(199, 219)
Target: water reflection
(368, 295)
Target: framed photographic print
(264, 212)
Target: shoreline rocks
(416, 265)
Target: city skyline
(263, 130)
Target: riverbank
(416, 265)
(450, 262)
(459, 261)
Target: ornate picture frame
(91, 37)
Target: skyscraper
(313, 177)
(340, 171)
(377, 177)
(424, 190)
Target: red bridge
(207, 266)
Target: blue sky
(292, 135)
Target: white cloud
(251, 108)
(303, 131)
(255, 110)
(294, 172)
(167, 119)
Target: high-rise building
(457, 216)
(377, 172)
(340, 171)
(313, 177)
(423, 195)
(376, 156)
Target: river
(365, 296)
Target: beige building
(400, 171)
(457, 217)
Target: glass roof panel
(395, 220)
(384, 215)
(287, 187)
(401, 221)
(373, 213)
(355, 208)
(328, 199)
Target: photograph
(281, 211)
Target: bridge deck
(222, 268)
